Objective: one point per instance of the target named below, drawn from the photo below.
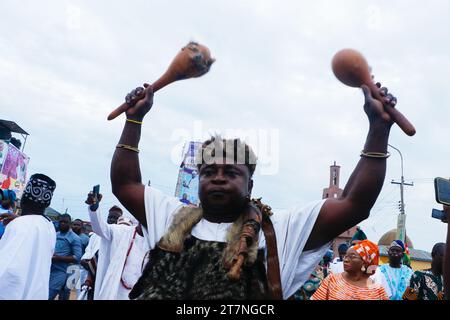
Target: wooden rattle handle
(396, 115)
(193, 61)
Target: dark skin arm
(84, 263)
(447, 256)
(126, 177)
(366, 181)
(91, 200)
(88, 281)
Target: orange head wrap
(368, 251)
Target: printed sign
(187, 185)
(14, 163)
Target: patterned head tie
(39, 190)
(368, 251)
(398, 244)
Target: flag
(406, 256)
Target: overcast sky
(66, 64)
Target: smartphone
(96, 190)
(438, 214)
(442, 190)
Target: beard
(231, 204)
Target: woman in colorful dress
(360, 262)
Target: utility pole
(401, 221)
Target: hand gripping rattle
(352, 69)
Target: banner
(3, 152)
(187, 185)
(14, 164)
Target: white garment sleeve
(337, 268)
(92, 247)
(99, 226)
(159, 211)
(26, 251)
(292, 230)
(379, 278)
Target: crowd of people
(232, 246)
(45, 260)
(356, 274)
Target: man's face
(395, 255)
(224, 186)
(113, 216)
(64, 224)
(77, 226)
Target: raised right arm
(126, 177)
(99, 226)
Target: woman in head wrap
(360, 262)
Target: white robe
(379, 278)
(92, 247)
(337, 266)
(26, 251)
(114, 244)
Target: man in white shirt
(120, 256)
(26, 248)
(394, 276)
(90, 257)
(219, 251)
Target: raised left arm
(366, 181)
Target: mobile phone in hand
(442, 194)
(96, 192)
(442, 190)
(438, 214)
